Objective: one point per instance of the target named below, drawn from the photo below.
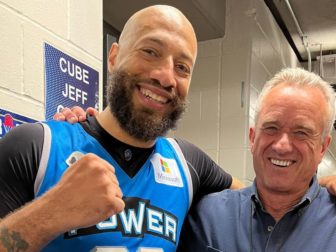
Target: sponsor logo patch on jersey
(166, 171)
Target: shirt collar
(309, 196)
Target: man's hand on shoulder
(329, 182)
(236, 184)
(74, 114)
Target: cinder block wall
(74, 27)
(228, 76)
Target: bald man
(113, 182)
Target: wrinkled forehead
(285, 99)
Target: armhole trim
(185, 168)
(44, 158)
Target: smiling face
(286, 143)
(157, 51)
(140, 122)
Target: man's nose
(283, 144)
(164, 72)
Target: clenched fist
(87, 193)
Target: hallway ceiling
(317, 19)
(207, 17)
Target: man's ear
(112, 56)
(251, 137)
(325, 145)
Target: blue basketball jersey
(157, 198)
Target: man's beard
(141, 123)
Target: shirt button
(269, 228)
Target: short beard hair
(140, 123)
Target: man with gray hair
(285, 207)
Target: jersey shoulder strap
(184, 166)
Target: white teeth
(283, 163)
(151, 95)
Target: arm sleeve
(20, 152)
(196, 231)
(207, 177)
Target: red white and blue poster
(9, 120)
(68, 82)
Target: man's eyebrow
(156, 40)
(306, 127)
(269, 121)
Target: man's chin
(154, 115)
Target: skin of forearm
(68, 205)
(11, 240)
(28, 229)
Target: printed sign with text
(68, 82)
(9, 120)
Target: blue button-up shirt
(236, 221)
